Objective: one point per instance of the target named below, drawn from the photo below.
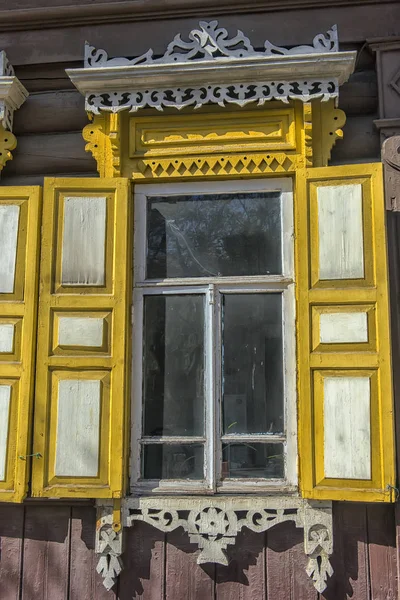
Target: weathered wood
(11, 540)
(393, 237)
(360, 142)
(50, 154)
(286, 563)
(47, 76)
(51, 112)
(134, 38)
(143, 576)
(85, 582)
(46, 553)
(360, 94)
(350, 554)
(382, 551)
(244, 577)
(48, 14)
(38, 179)
(391, 161)
(184, 577)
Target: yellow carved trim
(8, 142)
(308, 131)
(103, 142)
(232, 165)
(327, 123)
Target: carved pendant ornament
(212, 67)
(214, 523)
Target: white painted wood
(80, 331)
(6, 337)
(347, 427)
(343, 328)
(340, 226)
(5, 400)
(78, 428)
(84, 241)
(9, 219)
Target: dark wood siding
(47, 553)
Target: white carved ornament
(213, 68)
(213, 524)
(12, 92)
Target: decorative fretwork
(211, 42)
(327, 123)
(391, 162)
(213, 68)
(214, 523)
(215, 165)
(108, 546)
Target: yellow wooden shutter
(344, 369)
(82, 368)
(19, 244)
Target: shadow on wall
(48, 548)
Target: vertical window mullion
(210, 407)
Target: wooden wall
(46, 553)
(49, 124)
(47, 548)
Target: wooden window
(214, 371)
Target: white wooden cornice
(211, 67)
(12, 93)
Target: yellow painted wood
(109, 364)
(17, 368)
(315, 361)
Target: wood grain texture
(286, 562)
(84, 581)
(382, 552)
(351, 578)
(244, 577)
(50, 154)
(144, 574)
(46, 553)
(11, 541)
(126, 38)
(52, 558)
(184, 577)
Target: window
(214, 367)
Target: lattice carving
(201, 166)
(308, 130)
(102, 135)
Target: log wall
(47, 548)
(47, 553)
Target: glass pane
(173, 386)
(248, 460)
(252, 364)
(165, 461)
(214, 235)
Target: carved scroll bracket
(214, 523)
(103, 139)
